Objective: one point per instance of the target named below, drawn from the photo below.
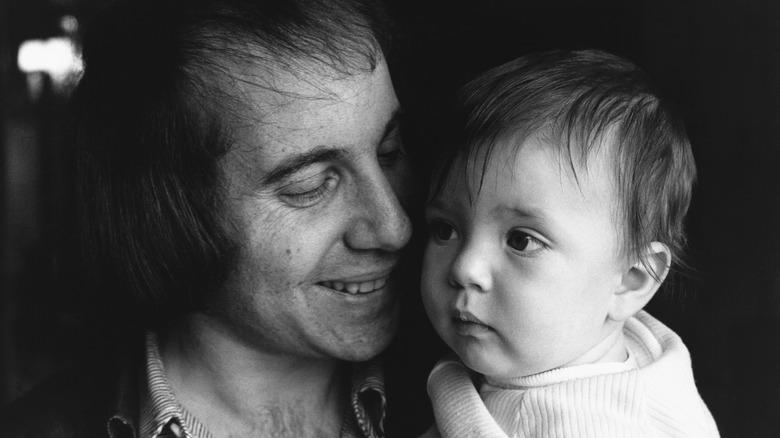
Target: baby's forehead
(522, 163)
(575, 157)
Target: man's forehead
(251, 68)
(261, 92)
(306, 112)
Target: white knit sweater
(657, 398)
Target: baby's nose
(471, 268)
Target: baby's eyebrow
(436, 204)
(524, 213)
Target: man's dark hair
(148, 124)
(579, 102)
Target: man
(242, 178)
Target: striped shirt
(162, 416)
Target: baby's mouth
(467, 318)
(354, 288)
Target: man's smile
(353, 288)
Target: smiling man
(317, 212)
(242, 177)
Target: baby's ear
(641, 281)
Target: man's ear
(641, 281)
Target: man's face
(520, 276)
(314, 183)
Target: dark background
(720, 60)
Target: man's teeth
(355, 288)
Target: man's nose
(471, 267)
(381, 222)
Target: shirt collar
(122, 409)
(162, 415)
(368, 402)
(125, 409)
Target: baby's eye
(522, 241)
(442, 231)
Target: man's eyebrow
(294, 163)
(319, 154)
(393, 123)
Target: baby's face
(521, 278)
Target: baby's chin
(494, 368)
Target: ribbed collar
(559, 375)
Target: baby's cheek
(432, 302)
(430, 271)
(435, 290)
(428, 299)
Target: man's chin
(368, 347)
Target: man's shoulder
(51, 409)
(75, 402)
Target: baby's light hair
(576, 100)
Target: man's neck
(235, 389)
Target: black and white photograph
(389, 218)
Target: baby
(555, 214)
